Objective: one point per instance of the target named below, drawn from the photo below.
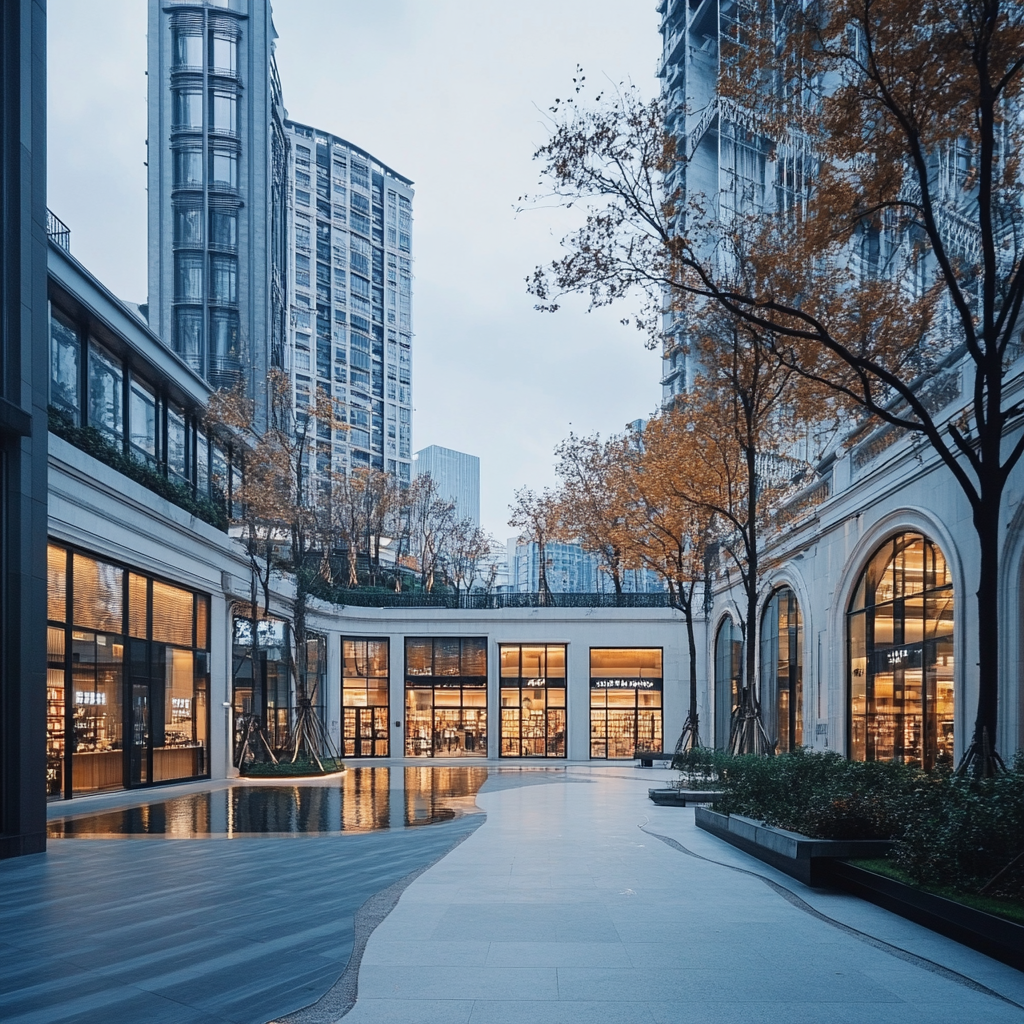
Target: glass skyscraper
(217, 162)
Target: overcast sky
(450, 93)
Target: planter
(681, 797)
(807, 860)
(994, 936)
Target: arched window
(782, 670)
(728, 670)
(900, 635)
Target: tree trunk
(980, 758)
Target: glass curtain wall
(900, 635)
(127, 677)
(625, 701)
(365, 672)
(532, 700)
(87, 390)
(728, 673)
(446, 696)
(782, 667)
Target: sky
(450, 93)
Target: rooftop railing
(58, 231)
(492, 602)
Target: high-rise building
(457, 476)
(217, 164)
(350, 296)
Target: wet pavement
(362, 799)
(187, 930)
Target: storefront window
(126, 677)
(728, 672)
(900, 635)
(782, 684)
(532, 700)
(625, 701)
(365, 671)
(446, 697)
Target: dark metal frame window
(533, 704)
(446, 696)
(900, 654)
(728, 675)
(365, 700)
(782, 670)
(127, 677)
(626, 714)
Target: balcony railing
(369, 598)
(57, 231)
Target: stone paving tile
(410, 954)
(190, 931)
(635, 931)
(487, 1011)
(558, 954)
(438, 981)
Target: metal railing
(57, 231)
(493, 602)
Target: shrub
(947, 831)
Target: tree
(282, 510)
(536, 518)
(658, 530)
(898, 257)
(431, 521)
(585, 507)
(465, 549)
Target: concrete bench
(648, 757)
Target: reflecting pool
(360, 800)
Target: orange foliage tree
(896, 259)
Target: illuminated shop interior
(900, 629)
(446, 696)
(365, 668)
(127, 678)
(532, 700)
(625, 701)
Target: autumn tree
(463, 555)
(897, 259)
(536, 517)
(431, 519)
(282, 514)
(656, 529)
(585, 507)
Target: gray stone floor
(561, 910)
(191, 931)
(575, 901)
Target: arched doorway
(900, 636)
(782, 670)
(728, 671)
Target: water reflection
(361, 800)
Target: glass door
(140, 749)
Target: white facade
(877, 489)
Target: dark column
(23, 392)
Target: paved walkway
(560, 910)
(190, 931)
